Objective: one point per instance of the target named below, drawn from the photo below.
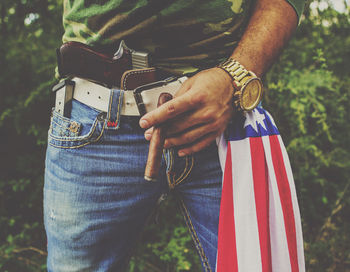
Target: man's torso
(182, 35)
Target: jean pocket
(84, 126)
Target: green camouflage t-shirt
(182, 35)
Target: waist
(134, 102)
(94, 75)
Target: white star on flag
(253, 119)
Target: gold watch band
(248, 87)
(236, 70)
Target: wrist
(249, 62)
(248, 87)
(226, 78)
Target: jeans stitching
(65, 128)
(110, 106)
(183, 172)
(169, 176)
(53, 121)
(195, 237)
(73, 139)
(65, 119)
(95, 140)
(164, 156)
(178, 181)
(118, 111)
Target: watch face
(251, 94)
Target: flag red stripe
(261, 193)
(286, 200)
(227, 252)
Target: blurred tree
(308, 92)
(30, 30)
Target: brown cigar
(156, 145)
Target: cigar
(156, 145)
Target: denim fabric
(96, 201)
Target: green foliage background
(308, 93)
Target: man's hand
(198, 114)
(203, 106)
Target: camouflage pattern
(182, 35)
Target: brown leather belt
(75, 59)
(94, 74)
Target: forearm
(202, 107)
(270, 27)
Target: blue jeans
(96, 201)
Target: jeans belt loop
(114, 109)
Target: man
(96, 200)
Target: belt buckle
(64, 94)
(138, 96)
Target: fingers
(199, 112)
(148, 133)
(187, 128)
(169, 110)
(189, 137)
(195, 133)
(190, 119)
(201, 144)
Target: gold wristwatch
(249, 88)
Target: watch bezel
(244, 88)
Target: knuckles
(214, 126)
(170, 109)
(198, 98)
(188, 138)
(209, 116)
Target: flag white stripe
(299, 234)
(279, 246)
(247, 235)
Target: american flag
(260, 226)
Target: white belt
(97, 96)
